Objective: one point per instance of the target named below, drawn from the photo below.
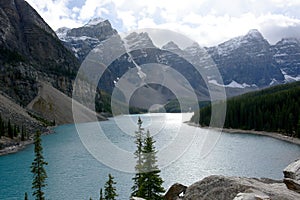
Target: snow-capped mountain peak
(254, 33)
(170, 46)
(138, 41)
(194, 49)
(95, 21)
(253, 41)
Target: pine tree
(1, 127)
(101, 195)
(22, 134)
(298, 128)
(15, 131)
(26, 196)
(37, 168)
(10, 130)
(110, 189)
(138, 155)
(151, 182)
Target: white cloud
(56, 13)
(207, 21)
(88, 10)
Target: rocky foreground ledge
(238, 188)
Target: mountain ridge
(248, 60)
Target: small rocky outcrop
(174, 191)
(292, 176)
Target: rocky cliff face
(30, 50)
(286, 54)
(31, 53)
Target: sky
(208, 22)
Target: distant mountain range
(246, 63)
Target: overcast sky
(209, 22)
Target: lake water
(75, 174)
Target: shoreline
(253, 132)
(15, 148)
(20, 145)
(23, 144)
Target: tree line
(274, 109)
(147, 182)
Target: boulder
(238, 188)
(292, 176)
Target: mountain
(143, 56)
(31, 51)
(135, 41)
(36, 70)
(83, 39)
(286, 54)
(245, 63)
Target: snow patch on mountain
(289, 78)
(233, 84)
(273, 82)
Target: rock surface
(30, 50)
(228, 188)
(292, 176)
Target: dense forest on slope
(275, 109)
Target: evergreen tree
(10, 130)
(298, 128)
(101, 195)
(151, 182)
(22, 134)
(26, 196)
(1, 127)
(37, 168)
(138, 155)
(15, 131)
(110, 189)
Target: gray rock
(228, 188)
(292, 176)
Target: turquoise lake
(73, 173)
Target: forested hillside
(274, 109)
